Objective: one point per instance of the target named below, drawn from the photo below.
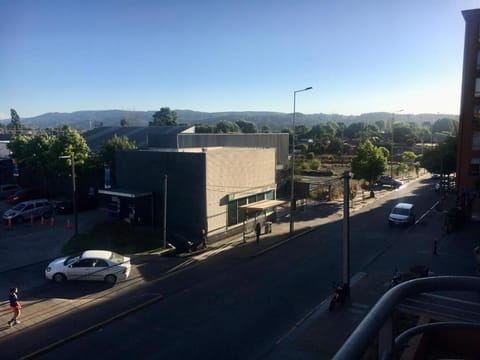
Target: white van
(25, 210)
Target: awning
(124, 193)
(263, 205)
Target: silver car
(101, 265)
(29, 209)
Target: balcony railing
(379, 321)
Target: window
(101, 263)
(474, 167)
(476, 140)
(84, 263)
(476, 112)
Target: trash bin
(268, 227)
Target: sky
(358, 56)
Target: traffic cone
(42, 220)
(31, 219)
(10, 223)
(69, 226)
(52, 221)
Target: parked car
(388, 180)
(402, 214)
(27, 209)
(99, 265)
(83, 203)
(24, 195)
(8, 189)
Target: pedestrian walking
(258, 228)
(15, 306)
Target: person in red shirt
(15, 306)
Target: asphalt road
(236, 305)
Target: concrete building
(468, 156)
(184, 189)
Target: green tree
(204, 129)
(164, 117)
(108, 148)
(266, 129)
(226, 127)
(68, 142)
(247, 127)
(15, 123)
(445, 125)
(369, 163)
(441, 159)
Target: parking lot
(31, 242)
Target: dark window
(101, 263)
(84, 263)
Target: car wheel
(59, 277)
(110, 279)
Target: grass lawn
(116, 236)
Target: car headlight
(48, 269)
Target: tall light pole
(391, 153)
(292, 182)
(74, 190)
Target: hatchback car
(101, 265)
(29, 209)
(402, 214)
(388, 180)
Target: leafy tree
(108, 148)
(226, 127)
(247, 127)
(204, 129)
(369, 163)
(15, 123)
(68, 142)
(441, 159)
(335, 146)
(445, 125)
(32, 152)
(266, 129)
(164, 117)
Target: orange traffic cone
(10, 223)
(52, 221)
(69, 226)
(42, 220)
(31, 219)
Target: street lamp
(391, 154)
(74, 189)
(292, 183)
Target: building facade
(468, 155)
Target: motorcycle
(339, 296)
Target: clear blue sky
(219, 55)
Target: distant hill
(83, 120)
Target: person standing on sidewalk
(15, 306)
(258, 229)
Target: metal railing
(379, 322)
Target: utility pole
(346, 232)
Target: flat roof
(263, 204)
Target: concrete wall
(235, 170)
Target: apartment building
(468, 155)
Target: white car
(402, 214)
(99, 265)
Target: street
(234, 305)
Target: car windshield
(18, 207)
(400, 211)
(70, 260)
(116, 258)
